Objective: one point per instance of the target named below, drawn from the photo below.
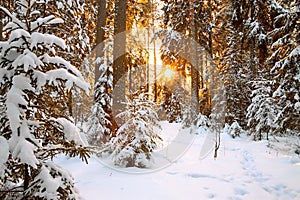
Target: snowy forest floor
(244, 169)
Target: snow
(71, 132)
(52, 184)
(3, 74)
(19, 33)
(69, 2)
(21, 82)
(243, 170)
(255, 27)
(15, 97)
(35, 12)
(56, 21)
(4, 149)
(59, 5)
(24, 150)
(62, 74)
(46, 39)
(22, 145)
(295, 52)
(16, 22)
(297, 107)
(44, 20)
(56, 60)
(27, 59)
(41, 79)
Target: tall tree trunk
(154, 69)
(210, 57)
(154, 51)
(100, 35)
(119, 48)
(194, 68)
(6, 4)
(119, 54)
(1, 25)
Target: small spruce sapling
(138, 137)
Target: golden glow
(169, 73)
(142, 1)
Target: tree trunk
(119, 48)
(194, 68)
(2, 15)
(217, 143)
(119, 51)
(101, 22)
(70, 104)
(154, 70)
(26, 177)
(1, 26)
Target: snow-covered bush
(34, 86)
(202, 122)
(235, 130)
(136, 139)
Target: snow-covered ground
(243, 170)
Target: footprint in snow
(195, 175)
(279, 187)
(282, 190)
(172, 173)
(240, 191)
(211, 195)
(248, 164)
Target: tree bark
(194, 67)
(119, 51)
(100, 35)
(119, 47)
(1, 26)
(26, 177)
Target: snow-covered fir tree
(99, 123)
(284, 59)
(262, 112)
(76, 29)
(232, 70)
(171, 107)
(136, 139)
(257, 24)
(202, 123)
(37, 127)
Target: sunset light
(169, 73)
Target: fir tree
(100, 126)
(34, 84)
(262, 111)
(137, 138)
(284, 61)
(235, 130)
(172, 108)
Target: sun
(169, 73)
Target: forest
(89, 78)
